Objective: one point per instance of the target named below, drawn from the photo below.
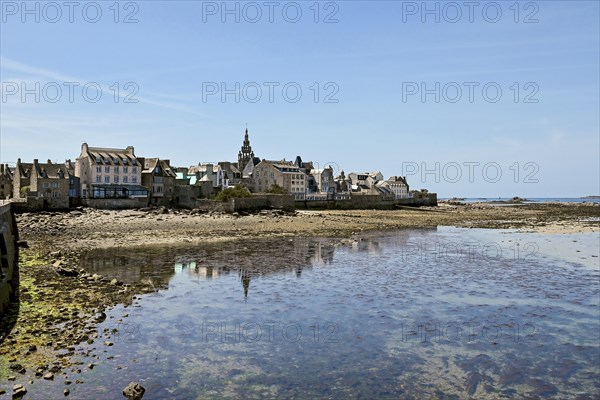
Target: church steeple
(245, 154)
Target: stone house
(205, 172)
(159, 178)
(106, 173)
(283, 173)
(365, 180)
(321, 181)
(398, 186)
(47, 182)
(6, 182)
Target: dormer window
(116, 160)
(125, 161)
(98, 160)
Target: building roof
(283, 166)
(47, 170)
(397, 179)
(150, 165)
(203, 168)
(110, 156)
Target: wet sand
(57, 311)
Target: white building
(109, 173)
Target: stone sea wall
(9, 257)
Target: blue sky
(369, 62)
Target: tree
(276, 189)
(232, 193)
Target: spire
(246, 153)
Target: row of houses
(118, 174)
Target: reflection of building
(256, 258)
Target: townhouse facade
(398, 186)
(283, 173)
(159, 178)
(109, 173)
(48, 182)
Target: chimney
(35, 161)
(49, 161)
(84, 148)
(130, 150)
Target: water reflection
(248, 259)
(416, 313)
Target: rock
(32, 348)
(107, 343)
(101, 317)
(134, 391)
(58, 263)
(49, 376)
(18, 391)
(116, 282)
(12, 378)
(55, 254)
(67, 271)
(66, 392)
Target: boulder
(134, 391)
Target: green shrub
(232, 193)
(276, 189)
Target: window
(107, 169)
(98, 160)
(124, 179)
(116, 170)
(116, 178)
(116, 160)
(134, 170)
(98, 178)
(125, 170)
(107, 179)
(46, 185)
(125, 161)
(55, 185)
(98, 170)
(134, 179)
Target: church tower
(245, 154)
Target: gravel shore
(60, 305)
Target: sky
(466, 99)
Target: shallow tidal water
(427, 313)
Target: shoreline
(60, 305)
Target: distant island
(590, 197)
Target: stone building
(283, 173)
(398, 186)
(159, 178)
(106, 173)
(47, 182)
(321, 181)
(6, 182)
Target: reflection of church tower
(246, 282)
(245, 154)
